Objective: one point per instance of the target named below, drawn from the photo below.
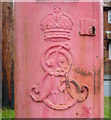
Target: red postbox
(59, 60)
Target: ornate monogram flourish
(57, 89)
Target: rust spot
(98, 86)
(82, 72)
(99, 72)
(77, 114)
(94, 76)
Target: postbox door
(58, 60)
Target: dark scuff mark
(82, 72)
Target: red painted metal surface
(59, 60)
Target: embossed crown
(57, 26)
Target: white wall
(110, 50)
(107, 88)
